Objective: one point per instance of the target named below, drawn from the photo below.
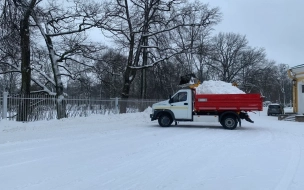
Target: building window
(302, 88)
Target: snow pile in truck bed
(217, 87)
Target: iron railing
(43, 107)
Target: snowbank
(217, 87)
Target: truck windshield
(274, 106)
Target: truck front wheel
(229, 122)
(165, 120)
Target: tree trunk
(128, 78)
(60, 103)
(125, 92)
(144, 74)
(143, 86)
(61, 107)
(24, 104)
(145, 43)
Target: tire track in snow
(91, 152)
(31, 145)
(166, 163)
(123, 162)
(156, 154)
(292, 165)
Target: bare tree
(283, 84)
(231, 54)
(194, 40)
(142, 27)
(109, 71)
(16, 20)
(62, 28)
(253, 79)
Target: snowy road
(131, 152)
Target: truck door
(181, 105)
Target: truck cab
(179, 108)
(181, 104)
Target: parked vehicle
(275, 109)
(266, 103)
(228, 109)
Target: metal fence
(43, 107)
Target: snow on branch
(44, 88)
(155, 62)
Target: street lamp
(281, 79)
(283, 91)
(281, 84)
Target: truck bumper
(152, 116)
(155, 114)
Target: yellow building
(297, 75)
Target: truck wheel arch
(222, 115)
(161, 112)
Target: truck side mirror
(170, 99)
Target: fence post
(116, 106)
(4, 105)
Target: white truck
(186, 105)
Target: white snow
(217, 87)
(129, 151)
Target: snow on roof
(217, 87)
(298, 70)
(298, 66)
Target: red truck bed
(222, 102)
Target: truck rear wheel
(165, 120)
(229, 122)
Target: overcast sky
(276, 25)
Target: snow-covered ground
(128, 151)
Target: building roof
(299, 69)
(298, 66)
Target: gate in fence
(43, 107)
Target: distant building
(297, 75)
